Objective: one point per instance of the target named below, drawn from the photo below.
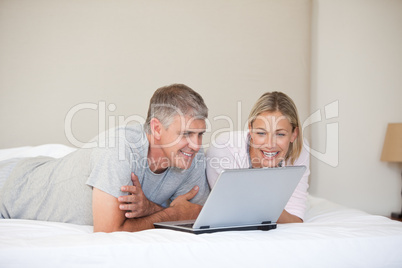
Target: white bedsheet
(332, 236)
(52, 150)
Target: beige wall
(357, 61)
(56, 55)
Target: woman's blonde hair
(278, 101)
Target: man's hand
(183, 208)
(136, 203)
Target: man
(163, 158)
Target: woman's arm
(286, 217)
(297, 203)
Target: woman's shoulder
(304, 157)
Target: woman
(274, 139)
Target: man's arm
(136, 204)
(107, 217)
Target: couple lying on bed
(155, 172)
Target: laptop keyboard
(188, 225)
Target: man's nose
(194, 142)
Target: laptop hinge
(266, 222)
(204, 227)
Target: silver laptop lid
(249, 196)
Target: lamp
(392, 149)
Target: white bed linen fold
(52, 150)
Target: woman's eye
(281, 134)
(261, 133)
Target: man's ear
(156, 128)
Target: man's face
(182, 140)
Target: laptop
(243, 199)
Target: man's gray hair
(176, 99)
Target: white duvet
(332, 236)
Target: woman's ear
(156, 128)
(295, 133)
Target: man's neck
(157, 161)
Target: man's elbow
(129, 225)
(101, 228)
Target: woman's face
(271, 134)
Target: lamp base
(396, 215)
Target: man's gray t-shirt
(49, 189)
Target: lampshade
(392, 149)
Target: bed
(332, 236)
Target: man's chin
(183, 164)
(183, 167)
